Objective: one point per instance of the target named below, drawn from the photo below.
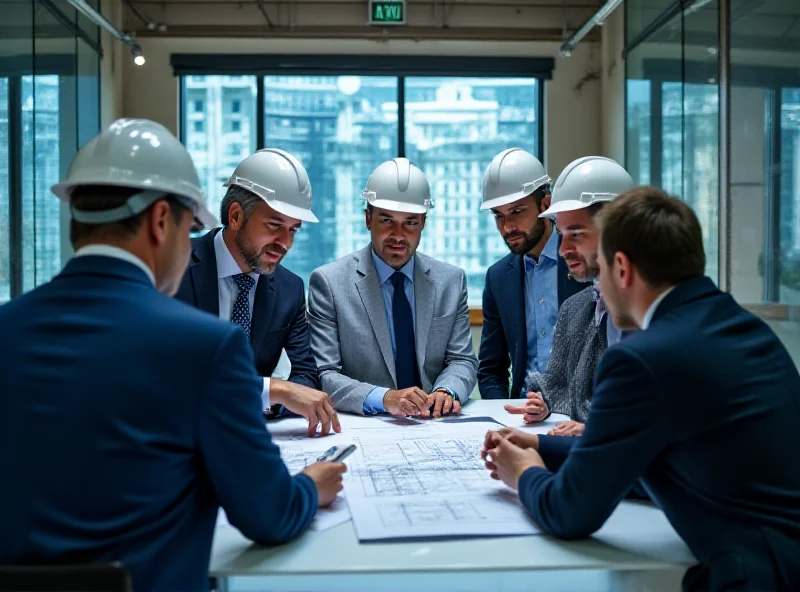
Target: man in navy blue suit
(127, 417)
(524, 290)
(702, 405)
(235, 273)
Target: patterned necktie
(241, 308)
(405, 357)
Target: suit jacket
(504, 338)
(350, 335)
(278, 316)
(126, 419)
(704, 407)
(578, 346)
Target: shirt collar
(648, 316)
(550, 251)
(226, 264)
(385, 271)
(117, 253)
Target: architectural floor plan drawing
(428, 481)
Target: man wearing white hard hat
(584, 330)
(390, 326)
(524, 290)
(126, 417)
(235, 273)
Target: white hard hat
(279, 179)
(399, 186)
(140, 154)
(512, 175)
(587, 181)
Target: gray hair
(247, 200)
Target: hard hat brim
(292, 211)
(398, 206)
(568, 205)
(504, 200)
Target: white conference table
(625, 557)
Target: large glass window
(453, 128)
(217, 102)
(342, 127)
(5, 260)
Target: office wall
(612, 88)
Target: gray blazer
(578, 345)
(350, 335)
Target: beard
(255, 256)
(528, 241)
(589, 270)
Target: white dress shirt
(229, 291)
(648, 316)
(116, 253)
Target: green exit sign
(387, 12)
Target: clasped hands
(508, 453)
(415, 402)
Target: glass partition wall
(675, 119)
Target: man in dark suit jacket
(126, 417)
(524, 290)
(235, 273)
(702, 405)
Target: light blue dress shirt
(613, 335)
(541, 304)
(374, 401)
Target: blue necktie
(241, 308)
(405, 357)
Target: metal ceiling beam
(598, 18)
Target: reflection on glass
(341, 128)
(790, 197)
(638, 132)
(5, 280)
(454, 127)
(217, 136)
(41, 222)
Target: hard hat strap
(528, 188)
(136, 204)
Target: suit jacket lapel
(204, 274)
(263, 309)
(371, 296)
(424, 300)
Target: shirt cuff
(374, 401)
(265, 405)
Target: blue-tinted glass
(5, 271)
(454, 127)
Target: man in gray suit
(389, 326)
(583, 330)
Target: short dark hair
(247, 200)
(658, 233)
(93, 198)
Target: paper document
(429, 481)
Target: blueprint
(428, 480)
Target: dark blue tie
(405, 357)
(241, 307)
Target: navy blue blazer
(279, 312)
(126, 419)
(504, 337)
(704, 406)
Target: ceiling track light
(98, 19)
(596, 20)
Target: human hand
(532, 410)
(567, 428)
(507, 462)
(515, 436)
(327, 476)
(443, 403)
(406, 402)
(312, 404)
